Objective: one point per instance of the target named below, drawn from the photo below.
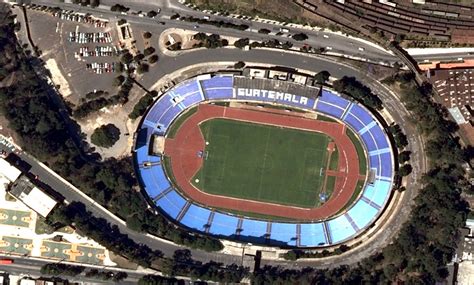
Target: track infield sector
(262, 162)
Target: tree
(241, 43)
(147, 35)
(143, 68)
(152, 14)
(404, 156)
(264, 31)
(322, 77)
(148, 51)
(118, 80)
(126, 58)
(300, 37)
(405, 170)
(239, 65)
(153, 59)
(105, 135)
(94, 3)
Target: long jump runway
(188, 141)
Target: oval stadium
(264, 161)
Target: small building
(8, 171)
(32, 196)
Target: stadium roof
(9, 171)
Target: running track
(188, 141)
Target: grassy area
(334, 161)
(360, 151)
(326, 119)
(168, 170)
(330, 183)
(176, 124)
(263, 163)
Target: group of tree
(271, 43)
(355, 89)
(401, 142)
(106, 275)
(119, 8)
(41, 131)
(88, 107)
(105, 135)
(61, 269)
(220, 23)
(209, 41)
(92, 3)
(140, 108)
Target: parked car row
(81, 18)
(82, 38)
(97, 51)
(100, 68)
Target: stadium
(264, 161)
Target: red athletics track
(189, 141)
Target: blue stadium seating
(329, 109)
(253, 228)
(361, 114)
(333, 99)
(284, 232)
(340, 229)
(378, 192)
(223, 224)
(171, 203)
(312, 235)
(386, 159)
(369, 141)
(160, 106)
(218, 87)
(332, 231)
(380, 137)
(196, 217)
(362, 214)
(354, 122)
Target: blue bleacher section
(340, 229)
(253, 228)
(331, 231)
(218, 87)
(362, 214)
(312, 235)
(224, 225)
(171, 203)
(196, 217)
(386, 159)
(284, 232)
(329, 109)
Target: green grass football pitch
(263, 163)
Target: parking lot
(81, 52)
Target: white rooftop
(39, 201)
(9, 171)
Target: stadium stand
(332, 231)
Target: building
(8, 171)
(32, 196)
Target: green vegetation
(105, 135)
(61, 269)
(322, 77)
(263, 163)
(360, 151)
(330, 184)
(140, 108)
(334, 161)
(358, 91)
(326, 119)
(179, 121)
(223, 24)
(209, 41)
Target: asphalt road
(30, 267)
(338, 43)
